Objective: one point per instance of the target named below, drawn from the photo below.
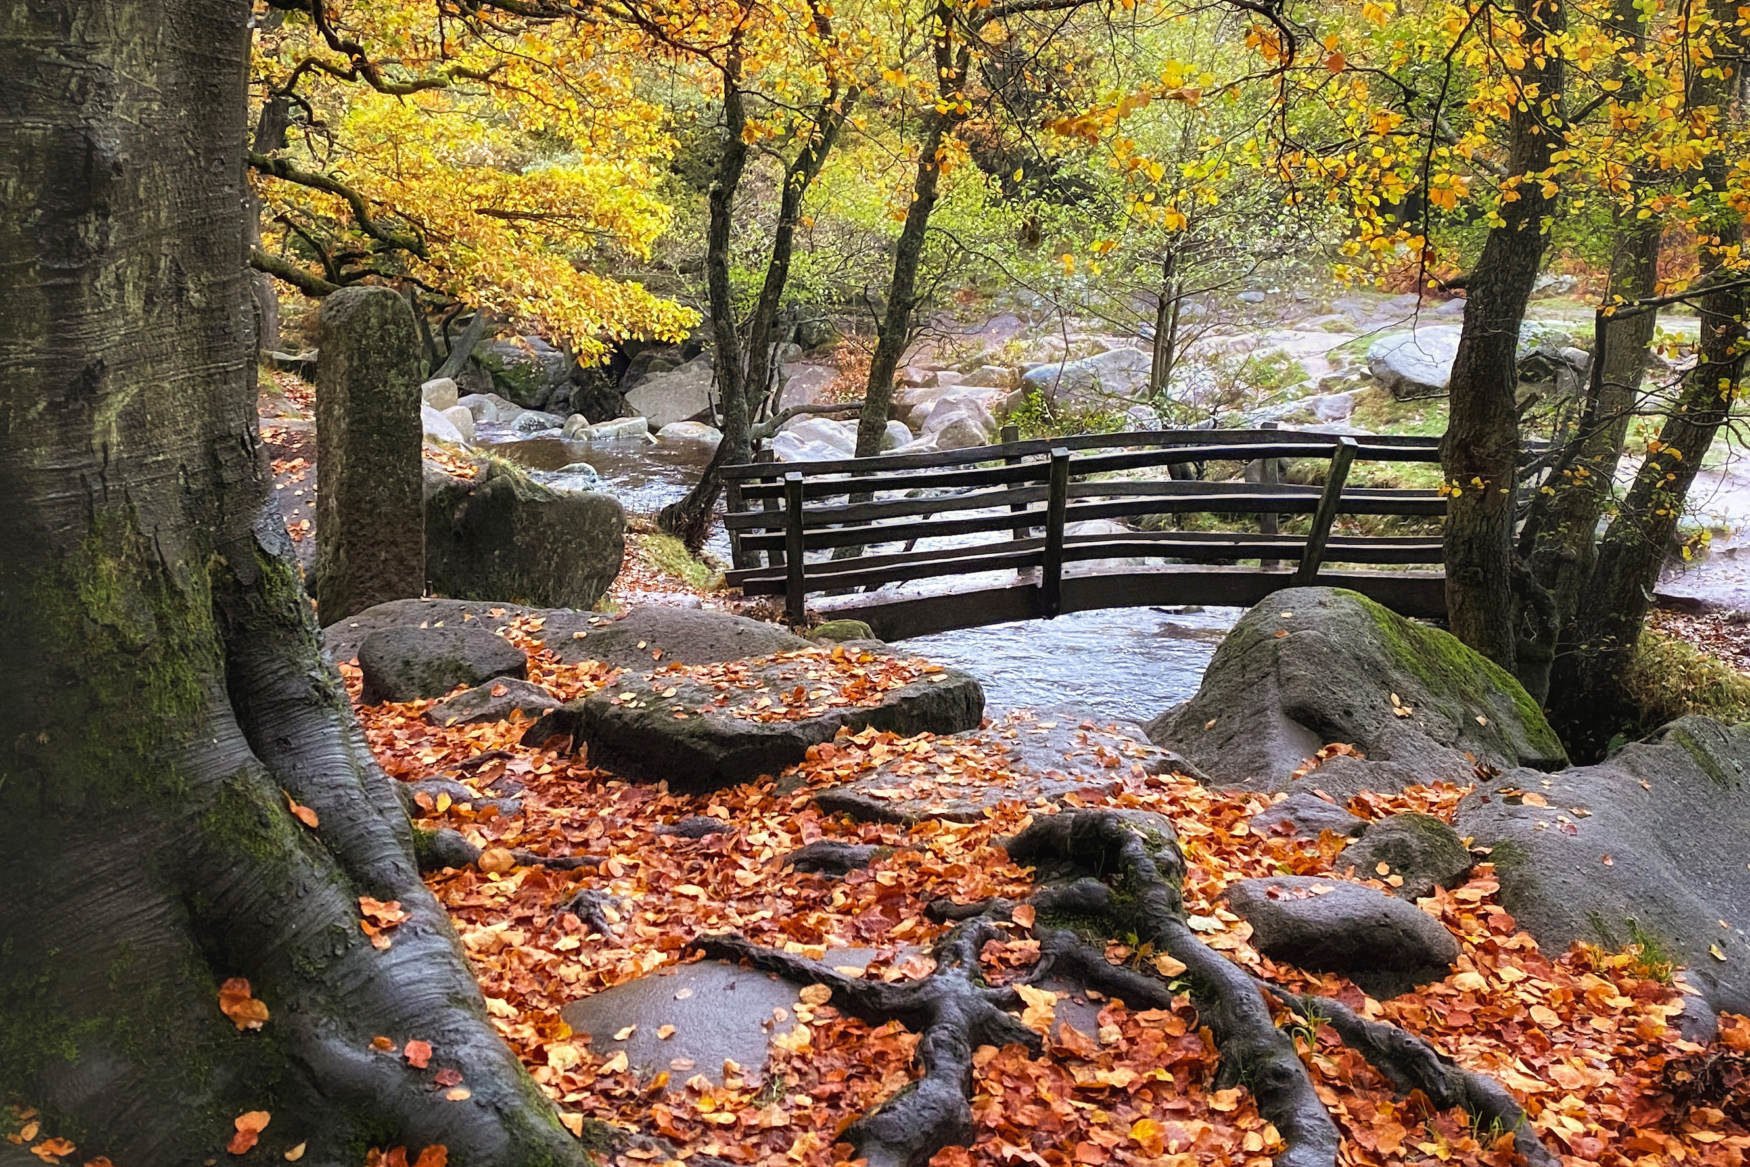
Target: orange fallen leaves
(302, 813)
(249, 1126)
(378, 918)
(1581, 1038)
(417, 1053)
(237, 1001)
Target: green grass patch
(670, 556)
(1377, 410)
(1669, 678)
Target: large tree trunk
(163, 694)
(1479, 455)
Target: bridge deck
(1031, 528)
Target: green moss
(1446, 665)
(1668, 678)
(1704, 760)
(670, 556)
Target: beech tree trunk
(1479, 455)
(162, 694)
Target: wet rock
(678, 395)
(439, 393)
(692, 432)
(695, 737)
(1029, 756)
(462, 420)
(533, 421)
(1330, 925)
(493, 701)
(719, 1012)
(489, 408)
(1418, 848)
(1646, 846)
(405, 664)
(621, 429)
(504, 536)
(1310, 666)
(1304, 813)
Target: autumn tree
(186, 802)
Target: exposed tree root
(954, 1010)
(591, 907)
(1410, 1063)
(1106, 874)
(1253, 1050)
(1140, 895)
(829, 857)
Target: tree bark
(163, 693)
(1479, 455)
(908, 254)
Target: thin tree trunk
(1479, 455)
(894, 331)
(689, 519)
(162, 692)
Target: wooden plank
(774, 556)
(1329, 501)
(1011, 435)
(1418, 594)
(1056, 507)
(1305, 443)
(842, 575)
(904, 532)
(795, 589)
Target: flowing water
(1130, 663)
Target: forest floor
(1583, 1038)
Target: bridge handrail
(779, 511)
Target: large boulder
(1116, 373)
(406, 663)
(708, 731)
(1647, 847)
(505, 537)
(657, 634)
(495, 700)
(526, 369)
(1029, 756)
(1418, 362)
(1312, 666)
(1332, 925)
(676, 395)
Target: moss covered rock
(1312, 666)
(1418, 849)
(1647, 848)
(503, 536)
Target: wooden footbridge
(1016, 522)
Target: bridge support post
(795, 583)
(1267, 472)
(1332, 496)
(1056, 510)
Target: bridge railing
(801, 529)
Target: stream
(1131, 663)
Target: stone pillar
(370, 528)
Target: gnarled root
(954, 1010)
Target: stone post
(370, 528)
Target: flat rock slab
(1029, 756)
(404, 664)
(1650, 844)
(493, 701)
(741, 720)
(641, 639)
(724, 1012)
(1330, 925)
(1302, 812)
